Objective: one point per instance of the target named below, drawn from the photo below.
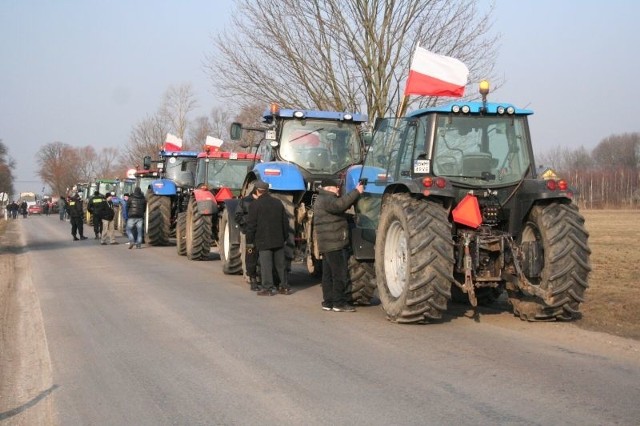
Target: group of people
(14, 209)
(103, 214)
(265, 223)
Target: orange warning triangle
(467, 212)
(223, 194)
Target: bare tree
(87, 163)
(58, 166)
(198, 132)
(220, 122)
(108, 164)
(177, 103)
(7, 165)
(147, 138)
(343, 55)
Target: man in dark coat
(250, 253)
(75, 217)
(94, 206)
(332, 230)
(136, 207)
(267, 231)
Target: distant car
(34, 209)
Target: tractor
(168, 195)
(299, 149)
(218, 178)
(453, 208)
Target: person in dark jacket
(136, 207)
(74, 207)
(107, 214)
(94, 206)
(267, 231)
(332, 229)
(250, 253)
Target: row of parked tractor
(452, 207)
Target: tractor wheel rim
(395, 261)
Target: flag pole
(403, 106)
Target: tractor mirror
(235, 131)
(146, 162)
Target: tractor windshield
(488, 150)
(320, 146)
(222, 172)
(181, 170)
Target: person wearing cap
(106, 214)
(94, 205)
(332, 228)
(75, 217)
(267, 232)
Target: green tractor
(453, 208)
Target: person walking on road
(267, 231)
(75, 217)
(107, 214)
(250, 253)
(332, 230)
(136, 207)
(94, 206)
(62, 207)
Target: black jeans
(77, 226)
(335, 277)
(268, 260)
(97, 224)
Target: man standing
(136, 207)
(94, 206)
(267, 231)
(332, 230)
(250, 253)
(107, 214)
(62, 207)
(75, 217)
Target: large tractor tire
(362, 276)
(181, 234)
(229, 251)
(198, 233)
(414, 259)
(560, 229)
(158, 220)
(289, 207)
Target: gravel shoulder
(25, 368)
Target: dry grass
(613, 297)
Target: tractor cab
(220, 169)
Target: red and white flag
(436, 75)
(172, 143)
(215, 142)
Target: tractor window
(320, 146)
(477, 149)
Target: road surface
(110, 336)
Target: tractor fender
(231, 206)
(377, 179)
(207, 204)
(163, 187)
(280, 176)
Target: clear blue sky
(84, 72)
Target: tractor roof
(192, 154)
(474, 108)
(225, 155)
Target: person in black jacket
(94, 206)
(106, 214)
(76, 212)
(267, 231)
(332, 229)
(136, 207)
(250, 253)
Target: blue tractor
(168, 195)
(299, 149)
(453, 208)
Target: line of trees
(7, 166)
(606, 177)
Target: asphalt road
(146, 337)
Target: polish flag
(436, 75)
(172, 143)
(215, 142)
